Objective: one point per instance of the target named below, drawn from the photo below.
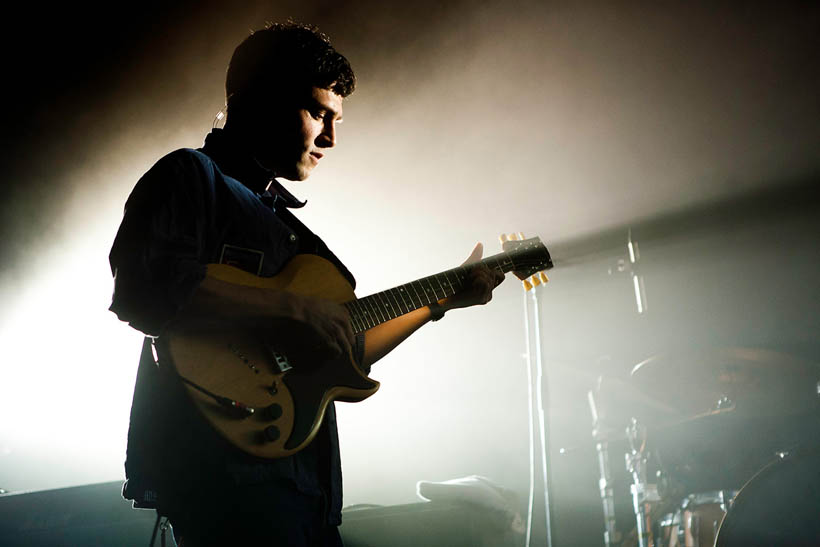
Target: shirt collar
(236, 162)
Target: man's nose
(327, 138)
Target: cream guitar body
(270, 407)
(259, 400)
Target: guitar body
(288, 403)
(260, 402)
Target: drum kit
(721, 448)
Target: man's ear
(243, 103)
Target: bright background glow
(554, 119)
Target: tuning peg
(544, 278)
(527, 284)
(521, 236)
(535, 281)
(502, 238)
(513, 237)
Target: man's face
(300, 134)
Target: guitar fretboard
(369, 311)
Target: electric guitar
(269, 407)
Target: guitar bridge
(280, 360)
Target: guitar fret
(427, 290)
(353, 306)
(383, 307)
(392, 312)
(395, 312)
(358, 323)
(354, 315)
(393, 293)
(401, 291)
(354, 320)
(363, 315)
(421, 302)
(389, 293)
(379, 305)
(405, 291)
(347, 306)
(367, 314)
(374, 313)
(452, 289)
(435, 292)
(433, 289)
(443, 290)
(425, 299)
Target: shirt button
(292, 238)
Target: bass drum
(779, 506)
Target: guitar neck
(369, 311)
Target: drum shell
(780, 505)
(723, 450)
(695, 525)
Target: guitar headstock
(529, 256)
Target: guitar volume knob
(274, 411)
(271, 433)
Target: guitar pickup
(281, 361)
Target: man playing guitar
(221, 204)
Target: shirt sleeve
(157, 258)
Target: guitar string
(384, 295)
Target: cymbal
(751, 381)
(616, 401)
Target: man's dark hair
(284, 58)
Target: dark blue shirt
(192, 208)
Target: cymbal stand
(642, 492)
(611, 534)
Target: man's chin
(302, 173)
(298, 175)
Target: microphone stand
(538, 384)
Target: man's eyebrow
(316, 105)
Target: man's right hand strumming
(304, 328)
(313, 328)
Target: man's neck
(235, 158)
